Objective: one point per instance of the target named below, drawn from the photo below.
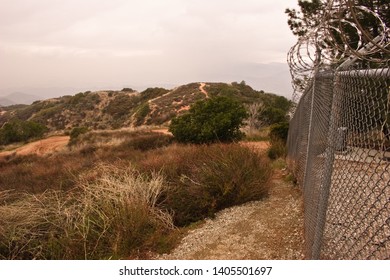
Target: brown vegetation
(41, 147)
(77, 204)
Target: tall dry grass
(111, 214)
(36, 174)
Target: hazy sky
(100, 44)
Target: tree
(255, 111)
(212, 120)
(346, 25)
(308, 18)
(344, 28)
(272, 115)
(276, 111)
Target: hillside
(129, 108)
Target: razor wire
(329, 42)
(339, 136)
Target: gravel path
(267, 229)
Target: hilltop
(129, 108)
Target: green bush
(212, 120)
(278, 136)
(279, 131)
(141, 113)
(121, 106)
(18, 131)
(49, 113)
(75, 134)
(128, 89)
(151, 93)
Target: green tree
(272, 115)
(210, 120)
(307, 18)
(365, 27)
(279, 132)
(276, 111)
(313, 13)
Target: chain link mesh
(339, 136)
(339, 151)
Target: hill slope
(129, 108)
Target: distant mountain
(5, 102)
(129, 108)
(18, 98)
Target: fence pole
(327, 181)
(309, 136)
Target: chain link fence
(339, 151)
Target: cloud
(64, 51)
(139, 40)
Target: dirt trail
(201, 88)
(162, 131)
(267, 229)
(41, 147)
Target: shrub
(113, 214)
(75, 134)
(272, 115)
(151, 93)
(277, 149)
(278, 137)
(128, 89)
(141, 113)
(205, 179)
(17, 131)
(121, 105)
(279, 131)
(208, 121)
(147, 141)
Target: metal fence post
(327, 181)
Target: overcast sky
(101, 44)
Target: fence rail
(339, 151)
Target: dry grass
(111, 214)
(35, 174)
(256, 135)
(112, 201)
(206, 179)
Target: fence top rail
(379, 72)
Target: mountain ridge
(108, 109)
